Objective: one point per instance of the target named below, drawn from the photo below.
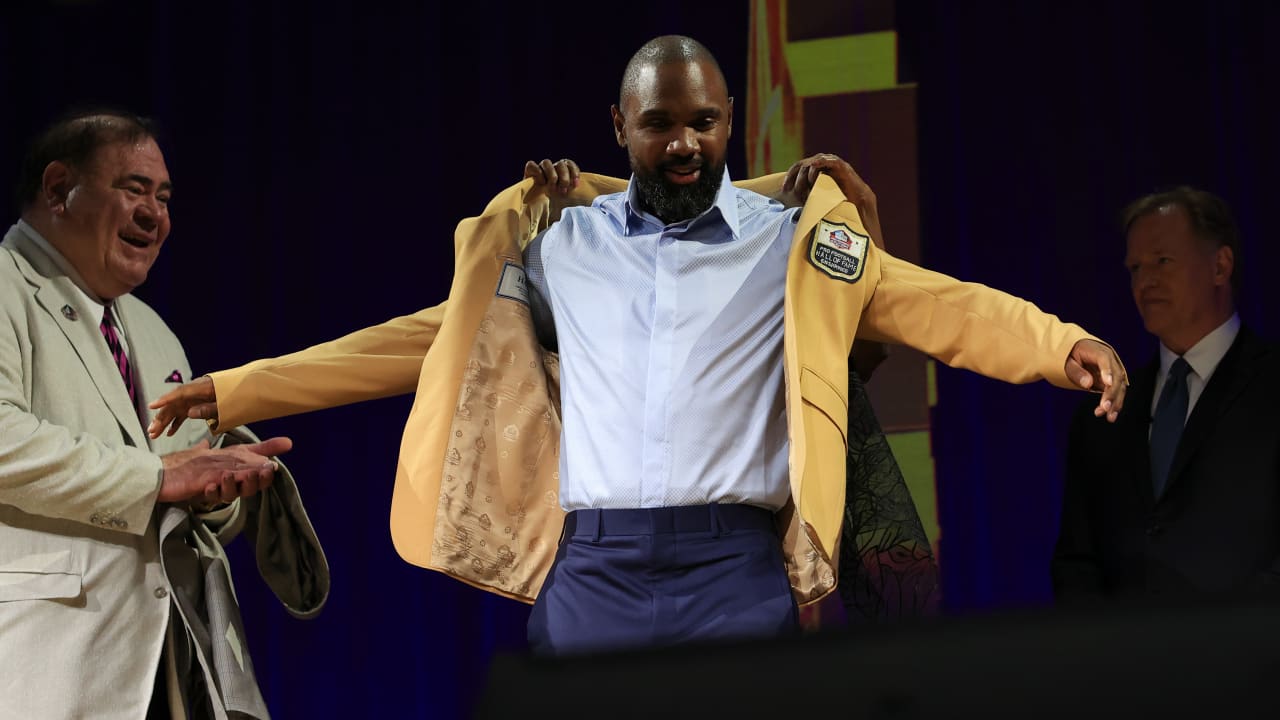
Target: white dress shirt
(1203, 357)
(670, 342)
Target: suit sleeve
(50, 470)
(968, 325)
(376, 362)
(1074, 570)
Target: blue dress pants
(661, 576)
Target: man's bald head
(675, 118)
(661, 51)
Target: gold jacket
(477, 484)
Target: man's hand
(560, 176)
(201, 474)
(556, 179)
(196, 399)
(1095, 366)
(802, 175)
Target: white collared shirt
(670, 341)
(1203, 357)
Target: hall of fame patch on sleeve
(513, 285)
(838, 251)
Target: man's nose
(1143, 278)
(147, 214)
(685, 142)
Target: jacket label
(513, 285)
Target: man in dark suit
(1179, 498)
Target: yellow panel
(912, 451)
(848, 64)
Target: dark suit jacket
(1216, 529)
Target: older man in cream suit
(115, 596)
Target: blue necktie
(1166, 425)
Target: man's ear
(1224, 262)
(619, 124)
(729, 124)
(55, 186)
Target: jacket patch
(513, 285)
(838, 251)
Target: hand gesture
(560, 176)
(1095, 366)
(195, 399)
(556, 179)
(202, 474)
(802, 175)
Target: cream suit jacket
(86, 590)
(476, 491)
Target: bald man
(666, 303)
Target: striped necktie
(108, 328)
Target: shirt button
(161, 593)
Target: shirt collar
(724, 209)
(1204, 356)
(91, 300)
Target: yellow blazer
(477, 485)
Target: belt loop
(565, 532)
(714, 519)
(586, 524)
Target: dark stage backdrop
(323, 152)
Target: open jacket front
(477, 484)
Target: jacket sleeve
(968, 325)
(52, 470)
(376, 362)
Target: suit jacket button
(120, 523)
(96, 519)
(161, 593)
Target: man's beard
(674, 203)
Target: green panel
(913, 454)
(848, 64)
(931, 381)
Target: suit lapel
(70, 310)
(1229, 380)
(144, 358)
